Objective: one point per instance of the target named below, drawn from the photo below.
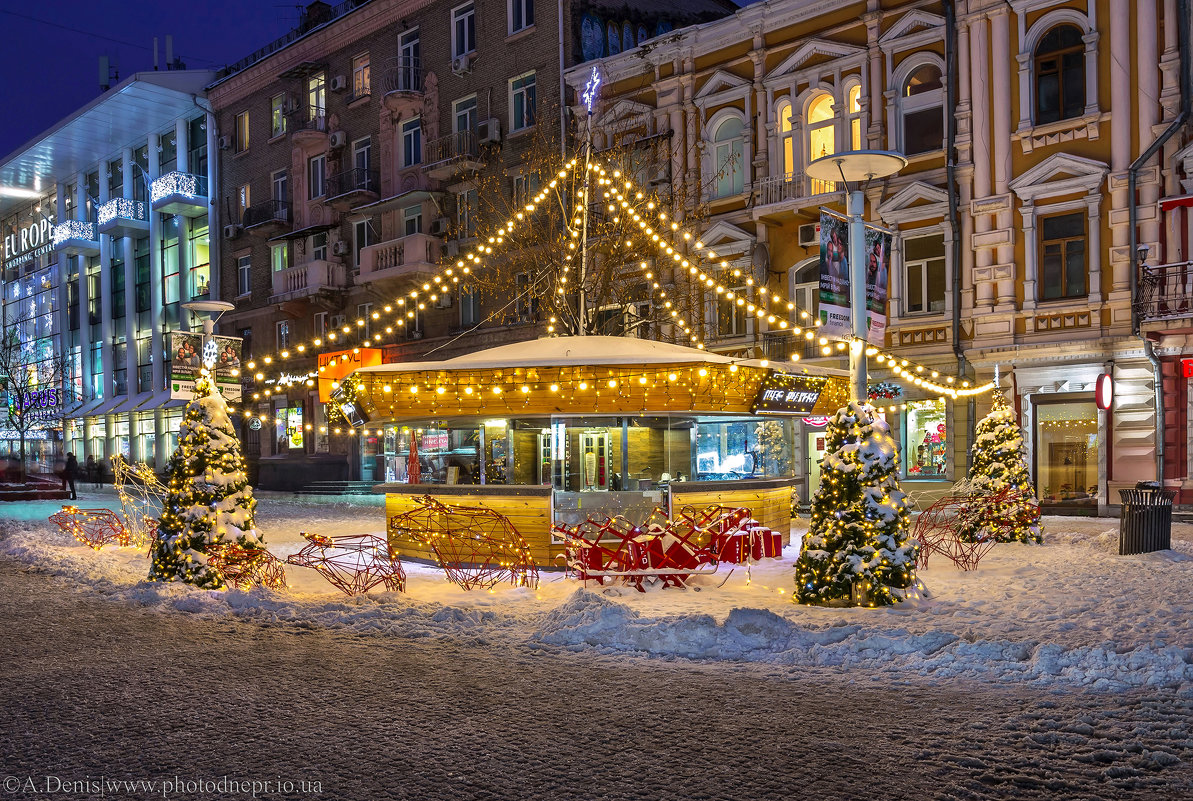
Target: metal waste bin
(1146, 522)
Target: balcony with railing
(1164, 300)
(353, 187)
(267, 217)
(123, 217)
(791, 186)
(402, 75)
(308, 125)
(76, 238)
(310, 278)
(180, 193)
(451, 154)
(410, 255)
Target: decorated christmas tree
(999, 462)
(209, 503)
(857, 550)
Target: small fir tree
(209, 501)
(859, 530)
(999, 462)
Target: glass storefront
(925, 442)
(1066, 452)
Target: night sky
(49, 50)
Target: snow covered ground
(1069, 612)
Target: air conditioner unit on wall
(489, 131)
(339, 248)
(224, 142)
(336, 321)
(438, 226)
(339, 139)
(339, 83)
(231, 231)
(461, 64)
(809, 235)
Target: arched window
(822, 136)
(728, 157)
(786, 137)
(1059, 69)
(804, 289)
(921, 100)
(853, 106)
(614, 34)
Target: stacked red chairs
(93, 527)
(352, 564)
(477, 547)
(732, 533)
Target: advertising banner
(835, 317)
(339, 364)
(186, 359)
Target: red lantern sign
(1104, 391)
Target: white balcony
(792, 186)
(310, 278)
(123, 217)
(404, 257)
(76, 238)
(180, 193)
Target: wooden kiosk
(565, 428)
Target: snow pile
(1071, 611)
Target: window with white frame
(283, 330)
(277, 115)
(1059, 71)
(364, 311)
(463, 30)
(521, 14)
(360, 75)
(412, 220)
(821, 127)
(362, 237)
(805, 290)
(279, 186)
(319, 325)
(728, 154)
(731, 317)
(525, 186)
(362, 158)
(853, 108)
(316, 96)
(522, 102)
(470, 307)
(464, 114)
(317, 246)
(279, 257)
(921, 110)
(242, 132)
(924, 274)
(412, 142)
(786, 137)
(244, 275)
(316, 176)
(466, 208)
(409, 55)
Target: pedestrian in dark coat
(71, 473)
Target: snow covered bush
(209, 502)
(999, 462)
(859, 529)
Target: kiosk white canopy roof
(588, 350)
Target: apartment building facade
(1015, 258)
(106, 223)
(350, 153)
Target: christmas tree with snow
(858, 550)
(209, 502)
(999, 462)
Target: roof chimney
(104, 75)
(169, 52)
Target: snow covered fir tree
(858, 549)
(209, 502)
(999, 462)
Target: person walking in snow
(70, 473)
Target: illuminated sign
(1104, 391)
(1187, 368)
(342, 363)
(783, 393)
(31, 239)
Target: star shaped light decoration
(590, 89)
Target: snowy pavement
(1071, 611)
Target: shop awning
(138, 402)
(302, 232)
(86, 409)
(110, 405)
(1170, 203)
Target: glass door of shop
(1066, 453)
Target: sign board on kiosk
(340, 364)
(783, 393)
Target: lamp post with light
(589, 97)
(215, 309)
(856, 167)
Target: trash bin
(1146, 522)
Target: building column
(185, 262)
(130, 282)
(215, 242)
(984, 290)
(1004, 254)
(1148, 117)
(105, 297)
(1121, 262)
(156, 316)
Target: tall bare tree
(31, 379)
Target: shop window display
(1067, 453)
(925, 448)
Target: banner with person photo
(186, 360)
(836, 319)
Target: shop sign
(816, 422)
(339, 364)
(255, 424)
(37, 435)
(31, 239)
(41, 399)
(351, 410)
(783, 393)
(1187, 368)
(1104, 391)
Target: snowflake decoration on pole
(590, 90)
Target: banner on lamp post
(836, 317)
(186, 360)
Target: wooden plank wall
(771, 507)
(531, 515)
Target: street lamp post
(856, 167)
(214, 308)
(589, 97)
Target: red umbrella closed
(413, 470)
